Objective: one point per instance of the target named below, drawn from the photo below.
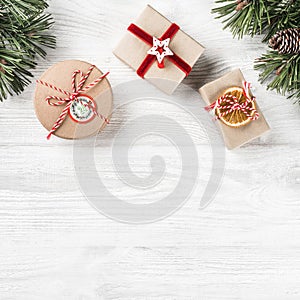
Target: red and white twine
(232, 104)
(71, 97)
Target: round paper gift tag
(88, 111)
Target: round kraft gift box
(73, 99)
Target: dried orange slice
(237, 117)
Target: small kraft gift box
(73, 99)
(158, 50)
(234, 108)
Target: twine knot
(236, 106)
(74, 96)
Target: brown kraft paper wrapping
(233, 137)
(60, 75)
(132, 51)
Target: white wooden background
(54, 245)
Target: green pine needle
(282, 72)
(23, 37)
(250, 20)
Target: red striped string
(72, 96)
(233, 104)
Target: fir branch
(14, 72)
(23, 37)
(282, 72)
(258, 16)
(19, 9)
(249, 19)
(29, 36)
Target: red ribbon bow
(71, 97)
(233, 104)
(149, 60)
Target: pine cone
(286, 41)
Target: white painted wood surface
(54, 245)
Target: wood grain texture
(54, 245)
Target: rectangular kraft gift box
(233, 137)
(132, 50)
